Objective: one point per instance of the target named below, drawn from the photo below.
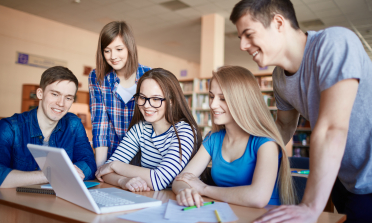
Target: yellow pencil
(217, 216)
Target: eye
(156, 99)
(141, 97)
(54, 94)
(120, 49)
(222, 99)
(70, 99)
(211, 96)
(106, 51)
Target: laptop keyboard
(108, 200)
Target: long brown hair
(248, 109)
(108, 33)
(176, 109)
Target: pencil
(217, 216)
(192, 207)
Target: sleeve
(281, 104)
(6, 143)
(259, 141)
(164, 174)
(83, 153)
(129, 146)
(100, 121)
(208, 143)
(340, 56)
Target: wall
(23, 32)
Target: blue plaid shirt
(110, 115)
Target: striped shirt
(111, 116)
(160, 153)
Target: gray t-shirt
(332, 55)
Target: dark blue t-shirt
(240, 171)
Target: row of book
(265, 82)
(269, 100)
(202, 101)
(187, 86)
(301, 138)
(203, 118)
(189, 100)
(204, 85)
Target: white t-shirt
(126, 93)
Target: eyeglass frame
(148, 99)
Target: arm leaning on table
(157, 178)
(327, 147)
(9, 177)
(100, 122)
(256, 195)
(83, 156)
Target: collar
(113, 78)
(35, 128)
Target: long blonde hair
(248, 109)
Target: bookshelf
(265, 82)
(197, 96)
(301, 138)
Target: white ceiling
(178, 32)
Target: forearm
(326, 152)
(243, 195)
(178, 186)
(18, 178)
(115, 179)
(131, 171)
(101, 155)
(286, 130)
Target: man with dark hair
(326, 77)
(49, 125)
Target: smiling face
(56, 100)
(220, 110)
(116, 54)
(264, 44)
(151, 89)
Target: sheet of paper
(153, 215)
(205, 214)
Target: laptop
(67, 184)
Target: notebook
(47, 188)
(66, 182)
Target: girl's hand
(192, 181)
(80, 172)
(103, 170)
(135, 184)
(189, 197)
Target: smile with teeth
(255, 53)
(150, 112)
(56, 110)
(218, 113)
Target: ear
(279, 22)
(39, 93)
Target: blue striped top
(160, 153)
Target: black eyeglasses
(153, 101)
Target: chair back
(299, 182)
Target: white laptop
(62, 175)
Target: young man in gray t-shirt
(324, 76)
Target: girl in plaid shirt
(163, 132)
(112, 86)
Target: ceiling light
(174, 5)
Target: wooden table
(31, 207)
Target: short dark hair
(264, 11)
(57, 73)
(108, 33)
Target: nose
(147, 104)
(213, 103)
(113, 54)
(244, 44)
(61, 101)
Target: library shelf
(300, 145)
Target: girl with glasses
(162, 130)
(112, 86)
(249, 163)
